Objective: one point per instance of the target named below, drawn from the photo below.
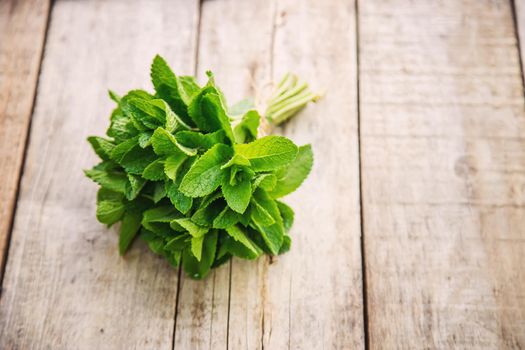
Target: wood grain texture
(65, 285)
(246, 69)
(236, 47)
(22, 31)
(321, 305)
(519, 17)
(312, 296)
(443, 171)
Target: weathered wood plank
(314, 293)
(443, 169)
(65, 285)
(299, 300)
(22, 31)
(248, 69)
(519, 14)
(236, 47)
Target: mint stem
(290, 96)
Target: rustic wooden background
(410, 232)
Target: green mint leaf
(237, 196)
(173, 164)
(121, 127)
(208, 112)
(268, 153)
(154, 171)
(238, 235)
(129, 229)
(101, 146)
(266, 181)
(135, 94)
(239, 173)
(157, 245)
(165, 214)
(226, 218)
(237, 159)
(272, 234)
(221, 249)
(196, 247)
(287, 214)
(206, 174)
(108, 165)
(199, 269)
(217, 90)
(212, 197)
(213, 108)
(197, 140)
(158, 219)
(144, 139)
(159, 192)
(131, 107)
(287, 242)
(137, 159)
(182, 202)
(246, 129)
(120, 150)
(171, 89)
(221, 260)
(178, 243)
(104, 194)
(109, 212)
(260, 215)
(148, 112)
(110, 206)
(173, 258)
(231, 247)
(193, 229)
(171, 119)
(292, 176)
(206, 214)
(186, 150)
(113, 95)
(134, 186)
(262, 198)
(114, 181)
(164, 143)
(190, 86)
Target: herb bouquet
(191, 177)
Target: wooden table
(409, 234)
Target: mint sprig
(191, 176)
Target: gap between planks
(518, 16)
(34, 311)
(360, 167)
(230, 274)
(10, 186)
(195, 68)
(249, 330)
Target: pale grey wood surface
(65, 285)
(312, 296)
(22, 29)
(280, 304)
(235, 45)
(429, 122)
(443, 174)
(519, 18)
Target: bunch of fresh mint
(191, 176)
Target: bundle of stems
(289, 97)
